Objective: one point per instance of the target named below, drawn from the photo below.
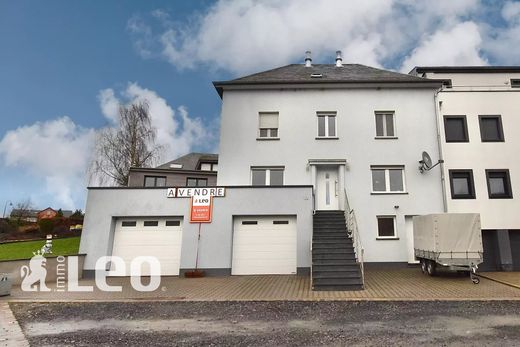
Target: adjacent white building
(479, 120)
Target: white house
(351, 131)
(479, 119)
(307, 150)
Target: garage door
(264, 245)
(514, 239)
(158, 237)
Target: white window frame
(268, 173)
(269, 130)
(385, 132)
(387, 179)
(395, 236)
(326, 115)
(211, 166)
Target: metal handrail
(352, 230)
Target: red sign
(201, 209)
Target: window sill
(327, 138)
(267, 138)
(386, 138)
(387, 238)
(389, 193)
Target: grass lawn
(25, 249)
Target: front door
(327, 187)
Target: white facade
(473, 95)
(346, 159)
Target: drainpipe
(439, 144)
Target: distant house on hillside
(50, 213)
(24, 215)
(190, 170)
(35, 215)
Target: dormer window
(208, 166)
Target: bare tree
(131, 144)
(22, 210)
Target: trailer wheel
(431, 268)
(423, 266)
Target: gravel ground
(271, 323)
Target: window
(127, 223)
(267, 176)
(491, 128)
(196, 182)
(208, 166)
(456, 129)
(386, 227)
(150, 223)
(462, 186)
(173, 223)
(154, 181)
(515, 83)
(268, 125)
(326, 125)
(388, 180)
(249, 222)
(385, 124)
(499, 184)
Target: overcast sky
(65, 66)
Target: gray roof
(190, 161)
(300, 74)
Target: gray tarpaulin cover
(448, 232)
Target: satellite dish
(426, 162)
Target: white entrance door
(408, 222)
(327, 187)
(264, 245)
(158, 237)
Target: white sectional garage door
(264, 245)
(158, 237)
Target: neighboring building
(295, 142)
(190, 170)
(35, 215)
(25, 215)
(479, 117)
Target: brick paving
(392, 284)
(11, 334)
(510, 278)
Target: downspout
(439, 144)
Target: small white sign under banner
(190, 192)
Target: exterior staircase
(334, 262)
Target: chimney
(339, 60)
(308, 59)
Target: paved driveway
(401, 284)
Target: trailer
(449, 240)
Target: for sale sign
(201, 208)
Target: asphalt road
(271, 323)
